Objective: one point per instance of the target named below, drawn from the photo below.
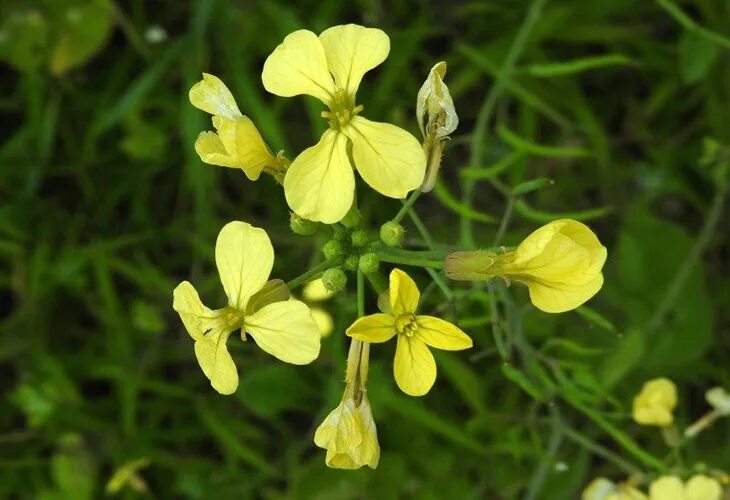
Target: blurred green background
(105, 207)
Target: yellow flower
(655, 403)
(560, 263)
(719, 399)
(320, 184)
(603, 489)
(437, 120)
(238, 143)
(414, 367)
(285, 329)
(315, 291)
(349, 435)
(699, 487)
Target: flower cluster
(560, 263)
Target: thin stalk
(313, 273)
(407, 204)
(411, 261)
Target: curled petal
(299, 66)
(404, 294)
(434, 107)
(352, 51)
(210, 148)
(212, 96)
(414, 367)
(435, 332)
(320, 184)
(551, 298)
(286, 330)
(244, 257)
(374, 328)
(216, 362)
(388, 158)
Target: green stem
(601, 451)
(411, 261)
(407, 204)
(312, 273)
(556, 438)
(360, 294)
(506, 219)
(425, 233)
(486, 110)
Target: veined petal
(388, 158)
(404, 294)
(299, 66)
(286, 330)
(216, 362)
(210, 148)
(414, 367)
(352, 51)
(374, 328)
(441, 334)
(244, 257)
(197, 318)
(319, 184)
(243, 144)
(212, 96)
(557, 297)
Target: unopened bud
(351, 263)
(470, 266)
(369, 263)
(334, 279)
(360, 238)
(391, 233)
(332, 250)
(352, 218)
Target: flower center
(406, 324)
(342, 110)
(231, 318)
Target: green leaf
(567, 68)
(697, 54)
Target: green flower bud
(334, 279)
(360, 238)
(352, 218)
(391, 233)
(351, 263)
(369, 263)
(302, 226)
(332, 250)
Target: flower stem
(313, 273)
(407, 205)
(410, 261)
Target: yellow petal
(348, 434)
(210, 148)
(667, 488)
(197, 318)
(286, 330)
(655, 404)
(560, 298)
(212, 96)
(352, 51)
(299, 66)
(319, 184)
(324, 321)
(414, 367)
(441, 334)
(243, 141)
(598, 489)
(388, 158)
(315, 291)
(701, 487)
(244, 257)
(216, 361)
(404, 294)
(374, 328)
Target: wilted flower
(655, 404)
(560, 263)
(699, 487)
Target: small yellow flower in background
(285, 329)
(320, 184)
(348, 434)
(699, 487)
(237, 143)
(604, 489)
(560, 263)
(315, 291)
(719, 399)
(324, 321)
(414, 367)
(655, 404)
(437, 120)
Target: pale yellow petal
(667, 488)
(216, 362)
(210, 148)
(320, 184)
(352, 51)
(212, 96)
(557, 297)
(434, 106)
(388, 158)
(299, 66)
(244, 257)
(197, 318)
(414, 367)
(349, 436)
(315, 291)
(251, 150)
(701, 487)
(286, 330)
(404, 294)
(374, 328)
(435, 332)
(324, 321)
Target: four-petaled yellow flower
(560, 263)
(699, 487)
(414, 366)
(655, 404)
(285, 329)
(238, 143)
(348, 434)
(320, 184)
